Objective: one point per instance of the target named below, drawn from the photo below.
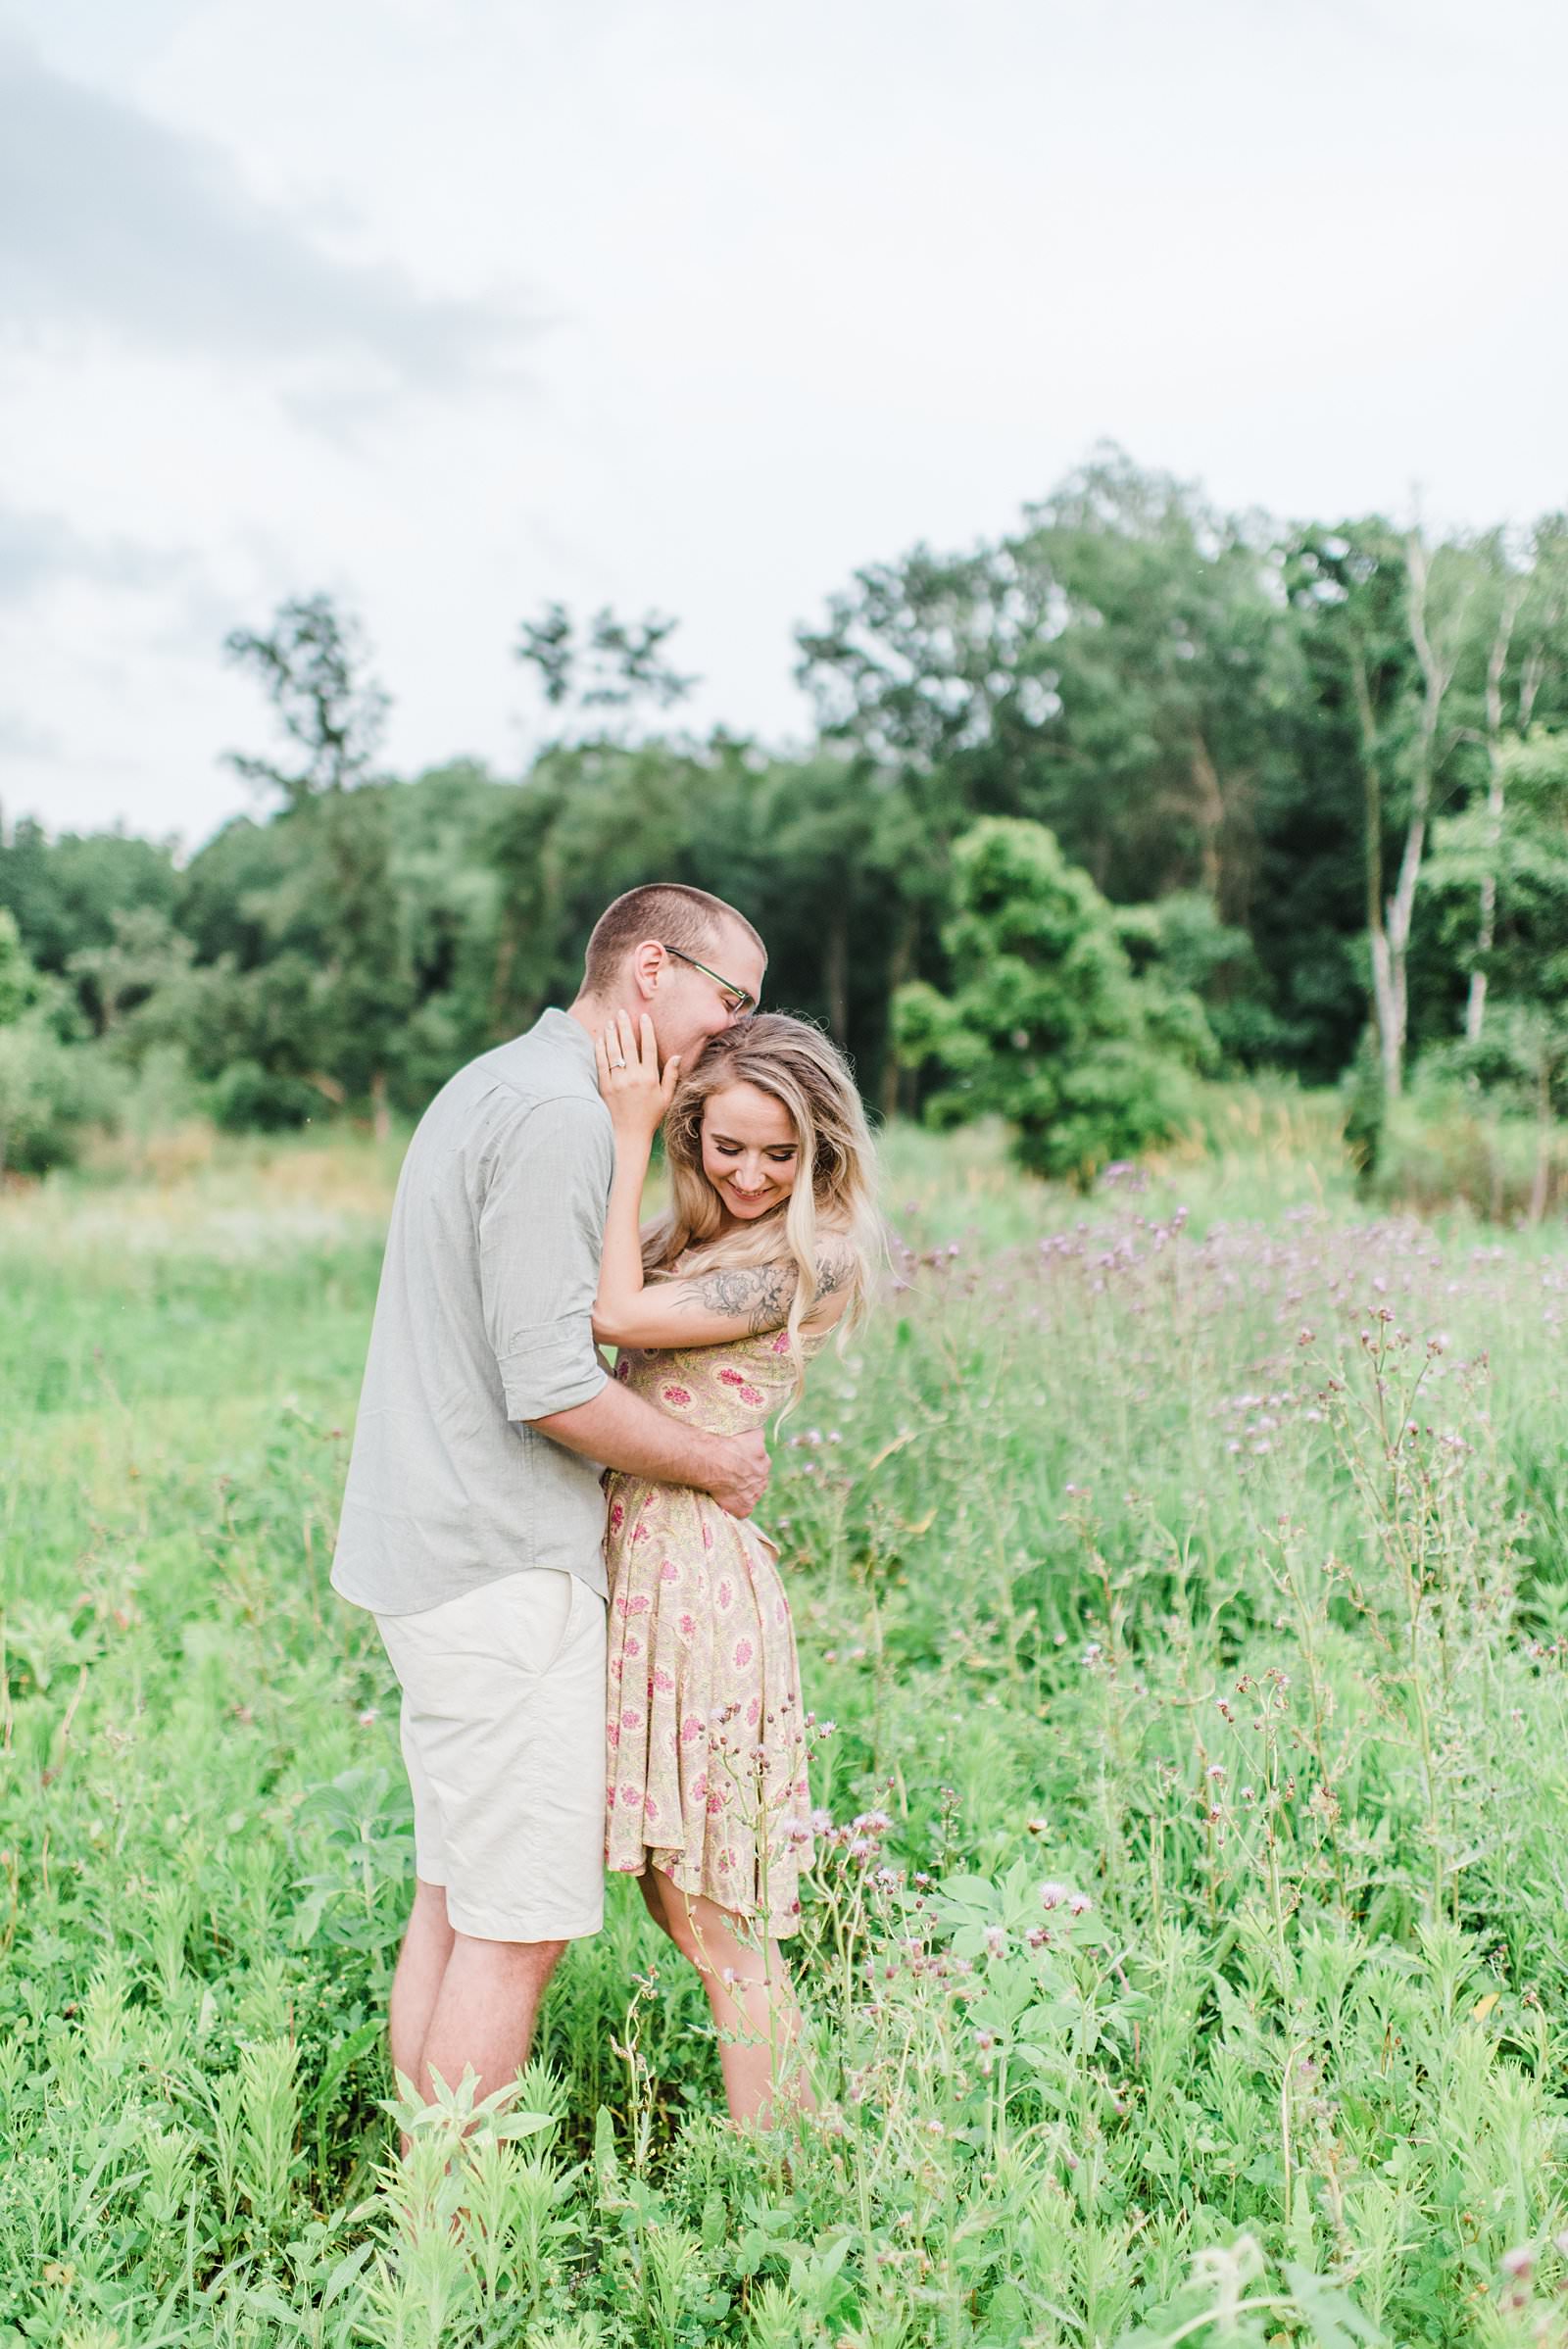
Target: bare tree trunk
(1388, 1007)
(899, 966)
(1486, 927)
(1436, 675)
(836, 974)
(380, 1115)
(1210, 819)
(500, 981)
(1539, 1188)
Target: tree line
(1137, 791)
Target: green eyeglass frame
(742, 1004)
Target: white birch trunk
(1486, 925)
(1437, 665)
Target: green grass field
(1185, 1573)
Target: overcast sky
(453, 306)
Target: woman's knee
(653, 1899)
(717, 1943)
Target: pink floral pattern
(709, 1784)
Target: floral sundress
(706, 1741)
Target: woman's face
(750, 1153)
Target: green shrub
(1046, 1024)
(248, 1099)
(1442, 1145)
(50, 1094)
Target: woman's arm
(636, 1094)
(731, 1301)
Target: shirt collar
(562, 1028)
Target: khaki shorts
(504, 1737)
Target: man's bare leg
(416, 1983)
(484, 2011)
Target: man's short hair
(686, 920)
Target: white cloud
(37, 550)
(112, 223)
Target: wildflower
(995, 1940)
(1215, 1770)
(365, 1718)
(1052, 1895)
(1079, 1904)
(1518, 2263)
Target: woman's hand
(635, 1092)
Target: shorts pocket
(535, 1619)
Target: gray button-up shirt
(484, 1321)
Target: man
(474, 1520)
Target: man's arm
(624, 1431)
(540, 1214)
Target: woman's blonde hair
(803, 1070)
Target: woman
(716, 1310)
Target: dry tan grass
(197, 1192)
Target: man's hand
(741, 1473)
(622, 1431)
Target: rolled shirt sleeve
(541, 1229)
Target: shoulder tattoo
(760, 1295)
(834, 1264)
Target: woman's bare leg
(752, 1998)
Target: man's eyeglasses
(737, 1002)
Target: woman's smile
(749, 1151)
